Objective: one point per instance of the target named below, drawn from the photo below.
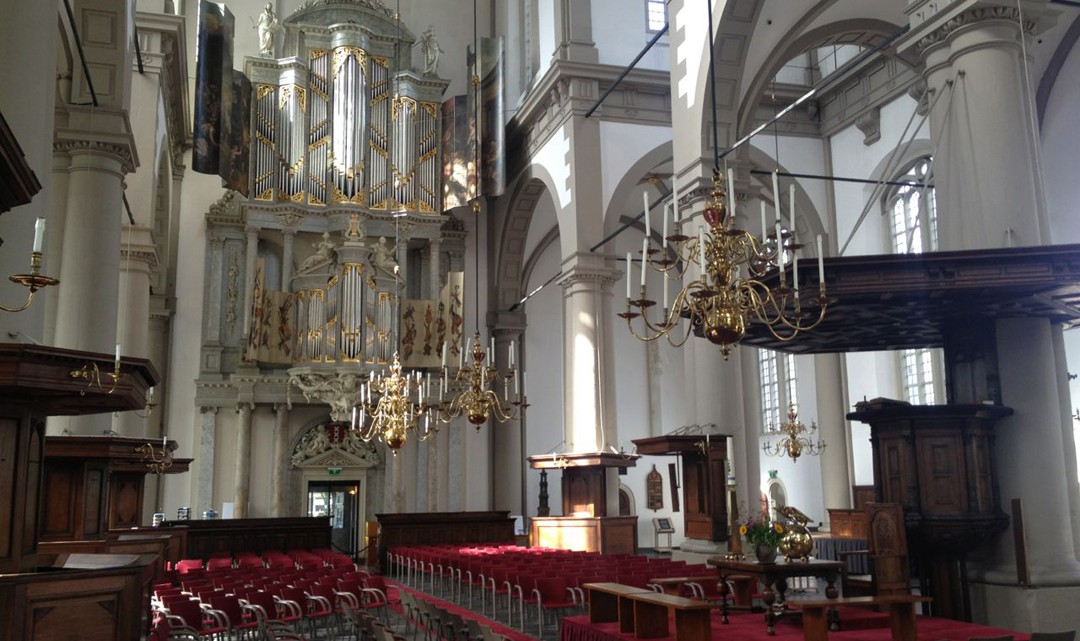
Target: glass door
(338, 500)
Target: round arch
(510, 258)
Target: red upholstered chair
(208, 623)
(241, 624)
(552, 593)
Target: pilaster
(204, 493)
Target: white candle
(731, 193)
(795, 271)
(764, 228)
(701, 249)
(524, 385)
(645, 199)
(164, 441)
(491, 351)
(355, 415)
(776, 192)
(517, 387)
(39, 234)
(664, 301)
(118, 353)
(820, 262)
(511, 365)
(468, 347)
(444, 354)
(675, 199)
(644, 258)
(427, 391)
(663, 237)
(628, 263)
(791, 204)
(149, 394)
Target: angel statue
(429, 46)
(267, 25)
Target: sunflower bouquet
(762, 532)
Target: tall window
(914, 215)
(777, 377)
(914, 230)
(655, 15)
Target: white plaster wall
(621, 146)
(545, 21)
(620, 33)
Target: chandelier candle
(731, 193)
(645, 201)
(776, 193)
(628, 263)
(39, 235)
(764, 225)
(820, 262)
(644, 257)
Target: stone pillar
(250, 256)
(279, 473)
(1031, 450)
(509, 441)
(242, 471)
(87, 303)
(588, 387)
(835, 459)
(137, 259)
(287, 238)
(204, 495)
(989, 191)
(573, 31)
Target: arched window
(913, 217)
(775, 368)
(912, 209)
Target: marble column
(836, 458)
(137, 259)
(251, 254)
(242, 471)
(204, 494)
(588, 385)
(989, 191)
(279, 473)
(87, 303)
(288, 236)
(1031, 451)
(509, 442)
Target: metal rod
(833, 77)
(138, 51)
(82, 55)
(844, 179)
(625, 71)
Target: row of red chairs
(320, 557)
(238, 603)
(540, 578)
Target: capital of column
(931, 26)
(252, 232)
(209, 409)
(506, 324)
(588, 270)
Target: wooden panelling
(604, 534)
(847, 524)
(125, 500)
(208, 537)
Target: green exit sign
(333, 471)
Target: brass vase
(797, 543)
(765, 553)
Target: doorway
(339, 500)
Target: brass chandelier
(477, 399)
(795, 439)
(395, 404)
(737, 280)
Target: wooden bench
(818, 617)
(651, 616)
(673, 584)
(610, 602)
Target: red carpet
(856, 625)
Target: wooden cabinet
(704, 481)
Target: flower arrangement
(762, 532)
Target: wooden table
(901, 614)
(610, 602)
(651, 616)
(774, 577)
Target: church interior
(612, 277)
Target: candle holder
(91, 373)
(32, 281)
(157, 460)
